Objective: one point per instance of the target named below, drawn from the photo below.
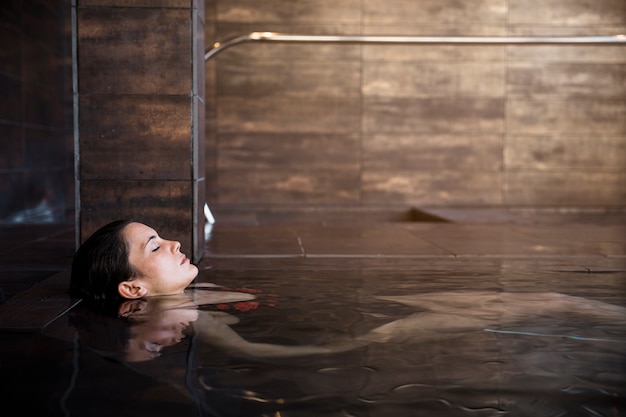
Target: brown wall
(379, 125)
(140, 122)
(36, 144)
(348, 125)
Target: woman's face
(159, 265)
(162, 329)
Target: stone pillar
(139, 116)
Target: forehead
(138, 233)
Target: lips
(184, 260)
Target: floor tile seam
(252, 255)
(534, 256)
(421, 256)
(438, 246)
(46, 318)
(378, 256)
(449, 266)
(444, 243)
(32, 267)
(39, 239)
(323, 255)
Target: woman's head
(129, 260)
(101, 263)
(158, 264)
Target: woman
(126, 269)
(129, 260)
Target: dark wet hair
(100, 264)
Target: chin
(194, 276)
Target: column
(139, 116)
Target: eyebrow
(149, 239)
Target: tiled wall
(407, 125)
(140, 72)
(342, 125)
(36, 144)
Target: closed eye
(156, 249)
(153, 347)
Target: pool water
(494, 340)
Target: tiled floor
(34, 262)
(337, 239)
(31, 253)
(442, 234)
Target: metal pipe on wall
(220, 46)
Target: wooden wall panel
(10, 45)
(388, 54)
(280, 11)
(589, 116)
(425, 12)
(433, 115)
(12, 155)
(568, 12)
(35, 112)
(422, 188)
(432, 79)
(282, 115)
(566, 152)
(292, 151)
(566, 189)
(568, 54)
(134, 3)
(141, 116)
(565, 142)
(163, 205)
(596, 80)
(130, 56)
(301, 78)
(432, 152)
(12, 103)
(420, 124)
(154, 132)
(289, 187)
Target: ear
(131, 307)
(132, 289)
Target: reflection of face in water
(159, 322)
(138, 330)
(413, 352)
(154, 323)
(157, 326)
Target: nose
(175, 246)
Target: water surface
(368, 343)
